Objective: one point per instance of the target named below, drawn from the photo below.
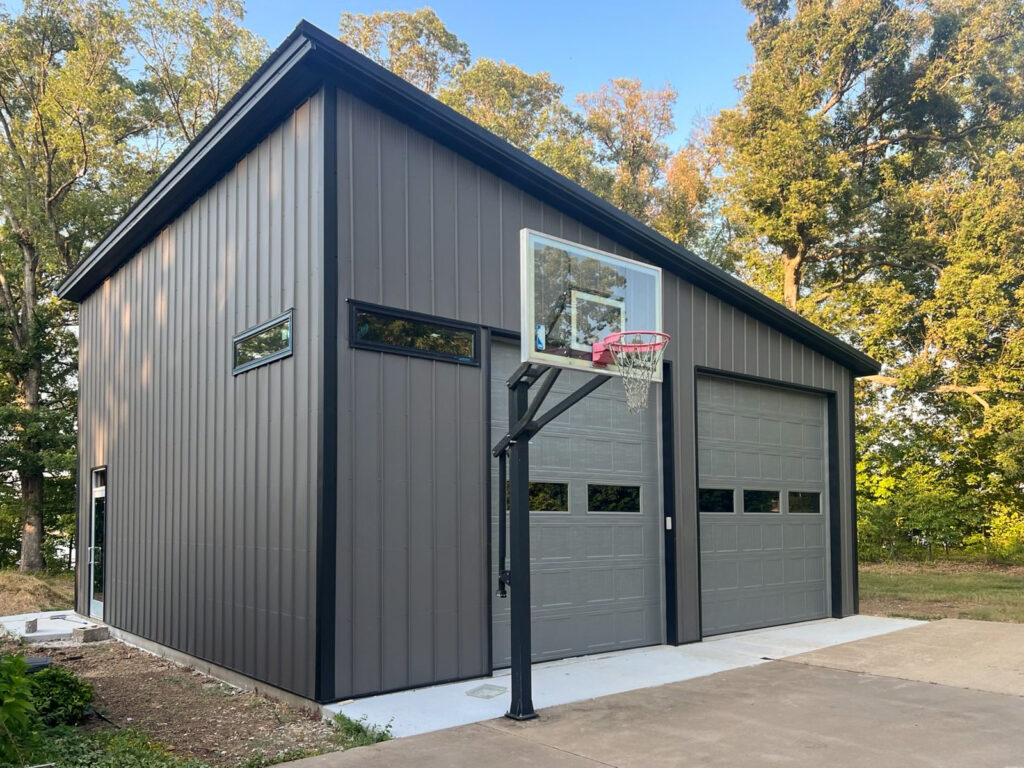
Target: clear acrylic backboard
(574, 295)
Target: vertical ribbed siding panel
(425, 230)
(211, 493)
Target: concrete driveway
(948, 693)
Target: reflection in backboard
(574, 295)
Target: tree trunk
(32, 520)
(792, 267)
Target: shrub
(359, 733)
(19, 723)
(68, 748)
(60, 697)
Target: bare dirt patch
(193, 715)
(28, 593)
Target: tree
(79, 140)
(528, 112)
(871, 178)
(196, 55)
(629, 125)
(415, 45)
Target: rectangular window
(545, 497)
(410, 333)
(760, 501)
(804, 502)
(716, 500)
(613, 498)
(263, 344)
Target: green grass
(919, 591)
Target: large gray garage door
(762, 500)
(595, 535)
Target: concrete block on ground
(89, 634)
(31, 625)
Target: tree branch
(974, 392)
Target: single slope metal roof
(307, 59)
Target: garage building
(293, 358)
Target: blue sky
(699, 46)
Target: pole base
(520, 716)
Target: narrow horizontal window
(408, 333)
(613, 498)
(263, 344)
(804, 502)
(716, 500)
(545, 497)
(760, 501)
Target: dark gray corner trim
(361, 77)
(327, 505)
(851, 416)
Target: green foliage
(69, 748)
(19, 722)
(415, 45)
(360, 733)
(60, 698)
(83, 134)
(614, 144)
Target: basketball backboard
(574, 295)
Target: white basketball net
(637, 354)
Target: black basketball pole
(523, 425)
(521, 707)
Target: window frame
(286, 316)
(355, 306)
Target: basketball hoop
(637, 355)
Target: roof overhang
(310, 57)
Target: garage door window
(760, 501)
(805, 502)
(613, 498)
(545, 497)
(716, 500)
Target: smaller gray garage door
(762, 500)
(595, 534)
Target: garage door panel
(596, 575)
(769, 567)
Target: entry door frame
(97, 492)
(833, 486)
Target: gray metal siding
(709, 333)
(211, 477)
(424, 229)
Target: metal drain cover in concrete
(487, 691)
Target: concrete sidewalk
(804, 711)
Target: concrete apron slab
(981, 655)
(571, 680)
(51, 626)
(777, 713)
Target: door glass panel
(544, 497)
(804, 502)
(715, 499)
(760, 501)
(99, 508)
(613, 498)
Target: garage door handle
(668, 523)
